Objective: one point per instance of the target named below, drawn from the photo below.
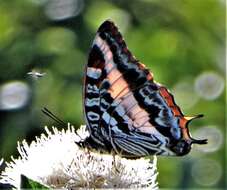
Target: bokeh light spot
(56, 40)
(209, 85)
(184, 94)
(14, 95)
(206, 172)
(109, 11)
(8, 27)
(63, 9)
(163, 44)
(214, 136)
(69, 59)
(38, 2)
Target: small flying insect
(36, 74)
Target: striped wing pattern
(126, 111)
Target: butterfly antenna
(57, 119)
(52, 116)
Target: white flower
(1, 161)
(56, 161)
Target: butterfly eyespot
(126, 111)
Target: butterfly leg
(114, 152)
(114, 162)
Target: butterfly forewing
(126, 111)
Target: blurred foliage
(27, 183)
(178, 40)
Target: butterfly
(126, 111)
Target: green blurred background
(181, 41)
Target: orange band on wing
(170, 102)
(176, 111)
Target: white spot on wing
(93, 72)
(108, 56)
(93, 116)
(92, 102)
(92, 89)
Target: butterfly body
(126, 111)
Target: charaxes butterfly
(126, 111)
